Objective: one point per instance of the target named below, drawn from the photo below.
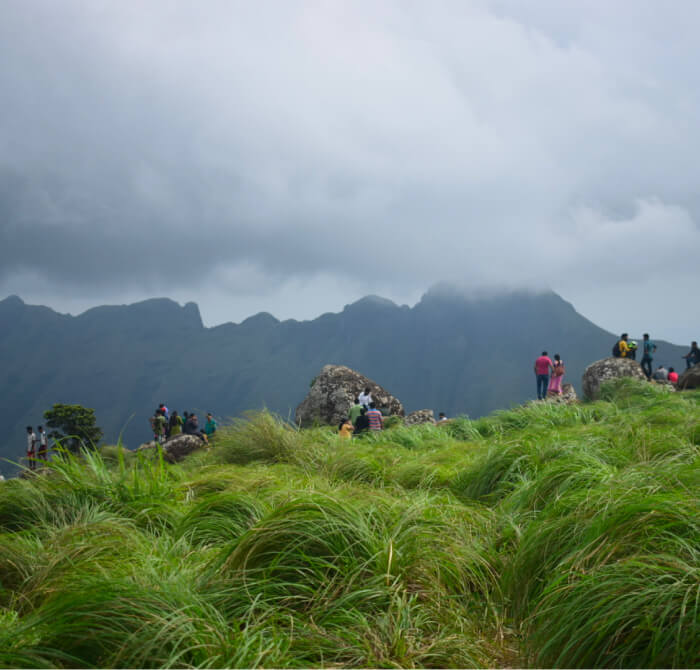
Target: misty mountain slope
(448, 353)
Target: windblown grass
(545, 535)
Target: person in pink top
(543, 366)
(557, 376)
(672, 376)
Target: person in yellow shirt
(624, 347)
(346, 429)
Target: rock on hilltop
(333, 393)
(605, 369)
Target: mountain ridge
(449, 352)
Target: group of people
(549, 374)
(37, 446)
(626, 348)
(166, 424)
(364, 416)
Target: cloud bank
(294, 156)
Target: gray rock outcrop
(177, 447)
(690, 379)
(420, 416)
(333, 393)
(568, 395)
(608, 368)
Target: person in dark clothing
(648, 349)
(362, 423)
(192, 427)
(693, 356)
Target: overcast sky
(292, 157)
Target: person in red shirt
(672, 376)
(543, 366)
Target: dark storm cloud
(258, 149)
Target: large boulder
(334, 391)
(568, 396)
(420, 416)
(608, 368)
(177, 447)
(690, 379)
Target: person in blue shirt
(648, 349)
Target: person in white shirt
(43, 452)
(31, 448)
(365, 398)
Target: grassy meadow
(547, 535)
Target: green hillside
(546, 535)
(450, 353)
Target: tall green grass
(545, 535)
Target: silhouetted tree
(74, 426)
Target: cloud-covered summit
(294, 156)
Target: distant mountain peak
(371, 302)
(11, 300)
(261, 319)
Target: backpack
(616, 350)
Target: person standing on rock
(365, 398)
(175, 423)
(543, 366)
(159, 424)
(31, 448)
(693, 356)
(354, 411)
(648, 349)
(557, 376)
(376, 420)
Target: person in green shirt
(175, 423)
(210, 426)
(354, 411)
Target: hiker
(43, 453)
(192, 428)
(354, 411)
(346, 429)
(543, 365)
(632, 353)
(175, 424)
(648, 349)
(558, 371)
(621, 348)
(158, 424)
(661, 374)
(693, 356)
(672, 376)
(442, 418)
(165, 411)
(31, 448)
(210, 426)
(376, 420)
(362, 422)
(365, 398)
